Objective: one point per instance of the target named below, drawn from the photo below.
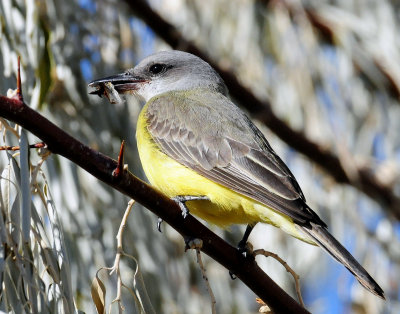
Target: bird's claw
(182, 199)
(246, 249)
(159, 223)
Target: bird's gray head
(166, 71)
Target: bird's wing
(219, 142)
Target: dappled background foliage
(329, 69)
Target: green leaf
(45, 66)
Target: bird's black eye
(157, 68)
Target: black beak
(122, 83)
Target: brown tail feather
(334, 248)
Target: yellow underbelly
(224, 207)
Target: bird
(199, 148)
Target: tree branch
(366, 181)
(102, 167)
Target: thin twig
(120, 251)
(15, 148)
(203, 272)
(287, 267)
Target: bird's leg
(242, 243)
(181, 201)
(243, 247)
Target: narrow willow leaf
(28, 276)
(5, 188)
(16, 220)
(50, 260)
(141, 292)
(98, 291)
(16, 169)
(45, 65)
(25, 187)
(3, 236)
(11, 276)
(65, 286)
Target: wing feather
(232, 152)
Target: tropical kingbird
(198, 147)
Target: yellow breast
(225, 207)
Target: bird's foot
(246, 249)
(159, 222)
(182, 199)
(242, 246)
